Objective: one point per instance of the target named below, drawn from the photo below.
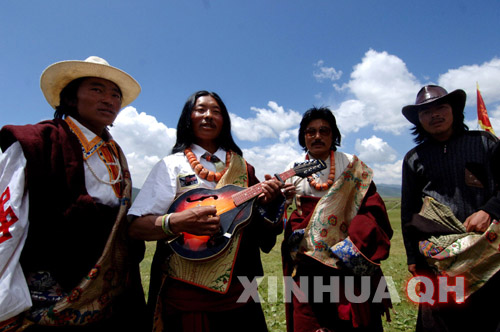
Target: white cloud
(290, 135)
(271, 159)
(382, 85)
(374, 150)
(465, 77)
(268, 123)
(351, 116)
(387, 173)
(144, 141)
(494, 116)
(487, 75)
(326, 73)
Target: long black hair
(319, 113)
(185, 133)
(68, 100)
(458, 125)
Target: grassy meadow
(403, 314)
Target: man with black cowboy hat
(65, 191)
(449, 199)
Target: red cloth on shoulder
(370, 230)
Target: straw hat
(431, 95)
(56, 76)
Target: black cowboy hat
(432, 95)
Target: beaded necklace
(201, 171)
(331, 176)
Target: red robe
(370, 231)
(68, 230)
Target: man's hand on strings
(271, 189)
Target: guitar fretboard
(255, 190)
(247, 194)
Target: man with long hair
(194, 295)
(449, 192)
(339, 231)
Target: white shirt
(100, 192)
(169, 178)
(14, 293)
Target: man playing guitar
(189, 295)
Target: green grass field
(404, 312)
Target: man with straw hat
(450, 205)
(66, 261)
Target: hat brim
(455, 98)
(55, 78)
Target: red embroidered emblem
(332, 220)
(94, 272)
(491, 237)
(7, 216)
(75, 294)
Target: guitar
(234, 206)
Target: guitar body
(232, 219)
(234, 206)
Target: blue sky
(269, 61)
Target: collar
(199, 151)
(327, 160)
(89, 141)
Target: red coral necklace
(331, 176)
(201, 171)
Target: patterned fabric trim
(107, 152)
(474, 256)
(353, 259)
(333, 214)
(12, 324)
(214, 275)
(88, 148)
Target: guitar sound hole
(201, 198)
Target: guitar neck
(255, 190)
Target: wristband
(165, 220)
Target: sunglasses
(312, 132)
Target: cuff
(492, 207)
(273, 212)
(353, 259)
